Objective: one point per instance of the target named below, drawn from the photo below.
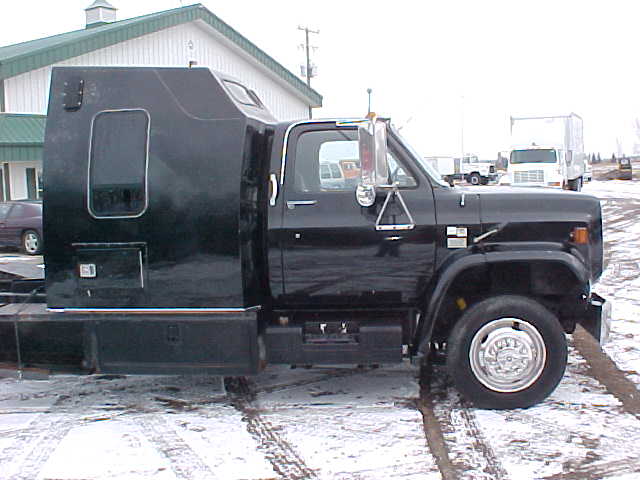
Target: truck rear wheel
(474, 179)
(506, 352)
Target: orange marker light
(580, 235)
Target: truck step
(370, 344)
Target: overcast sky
(430, 64)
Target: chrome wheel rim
(31, 243)
(507, 355)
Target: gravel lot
(346, 423)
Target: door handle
(274, 189)
(291, 204)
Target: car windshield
(538, 155)
(426, 166)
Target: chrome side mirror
(374, 171)
(365, 195)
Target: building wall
(175, 46)
(18, 178)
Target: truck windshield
(537, 155)
(422, 162)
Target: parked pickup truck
(469, 169)
(188, 231)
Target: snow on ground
(623, 189)
(620, 282)
(578, 426)
(362, 424)
(335, 423)
(320, 423)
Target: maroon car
(21, 225)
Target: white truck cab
(553, 155)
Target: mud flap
(597, 318)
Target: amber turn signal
(580, 235)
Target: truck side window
(118, 164)
(329, 160)
(4, 209)
(399, 174)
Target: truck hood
(535, 214)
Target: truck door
(332, 253)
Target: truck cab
(189, 231)
(547, 151)
(544, 166)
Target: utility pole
(461, 130)
(308, 72)
(369, 107)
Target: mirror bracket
(394, 192)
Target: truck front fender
(451, 270)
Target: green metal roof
(21, 137)
(20, 154)
(27, 56)
(22, 129)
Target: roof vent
(100, 12)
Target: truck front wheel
(575, 185)
(506, 352)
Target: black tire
(512, 314)
(474, 179)
(575, 185)
(31, 243)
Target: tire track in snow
(480, 444)
(33, 446)
(281, 455)
(453, 434)
(601, 471)
(184, 461)
(605, 371)
(435, 437)
(328, 375)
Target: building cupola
(100, 12)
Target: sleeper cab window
(118, 161)
(242, 94)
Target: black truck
(186, 230)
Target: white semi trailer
(547, 151)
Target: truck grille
(530, 176)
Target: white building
(178, 37)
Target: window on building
(118, 164)
(40, 185)
(32, 188)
